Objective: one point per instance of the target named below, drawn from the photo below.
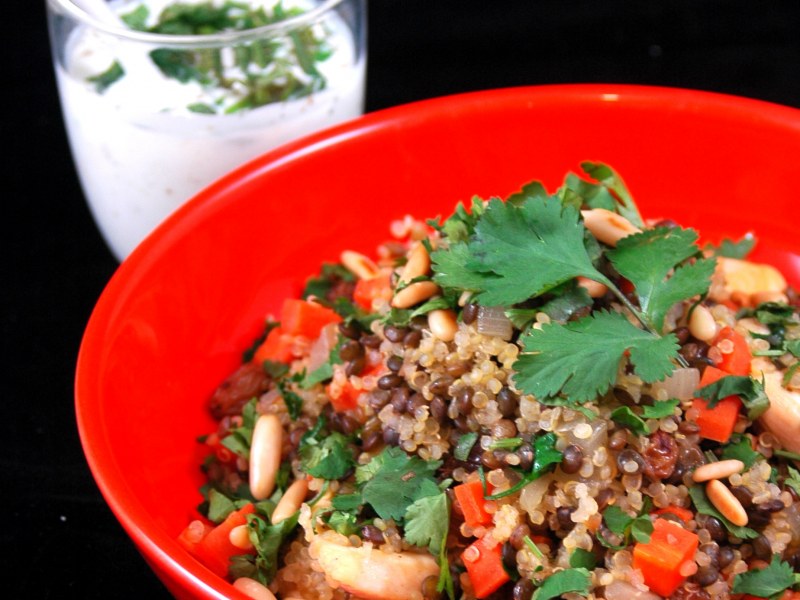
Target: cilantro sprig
(551, 248)
(768, 582)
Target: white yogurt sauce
(140, 153)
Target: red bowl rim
(158, 548)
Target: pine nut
(265, 455)
(253, 589)
(726, 503)
(594, 288)
(717, 470)
(239, 536)
(418, 263)
(607, 226)
(443, 324)
(414, 294)
(290, 501)
(702, 324)
(359, 265)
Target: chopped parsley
(626, 527)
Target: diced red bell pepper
(368, 290)
(484, 563)
(716, 423)
(661, 559)
(277, 347)
(738, 361)
(302, 317)
(215, 550)
(470, 498)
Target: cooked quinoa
(447, 433)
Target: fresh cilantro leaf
(545, 458)
(623, 525)
(616, 519)
(625, 416)
(426, 522)
(398, 482)
(749, 390)
(220, 506)
(646, 259)
(107, 78)
(730, 249)
(529, 191)
(611, 180)
(704, 506)
(767, 582)
(793, 479)
(294, 403)
(642, 529)
(330, 275)
(739, 448)
(343, 522)
(582, 559)
(576, 581)
(347, 502)
(329, 458)
(267, 540)
(545, 237)
(464, 445)
(545, 453)
(275, 369)
(580, 359)
(461, 224)
(239, 438)
(659, 410)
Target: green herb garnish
(749, 390)
(258, 72)
(107, 78)
(576, 581)
(768, 582)
(327, 457)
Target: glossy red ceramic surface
(175, 318)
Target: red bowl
(174, 319)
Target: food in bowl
(543, 396)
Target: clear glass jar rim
(225, 37)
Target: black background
(58, 537)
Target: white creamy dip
(140, 153)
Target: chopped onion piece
(492, 320)
(681, 384)
(322, 346)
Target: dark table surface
(59, 538)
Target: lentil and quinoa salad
(542, 397)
